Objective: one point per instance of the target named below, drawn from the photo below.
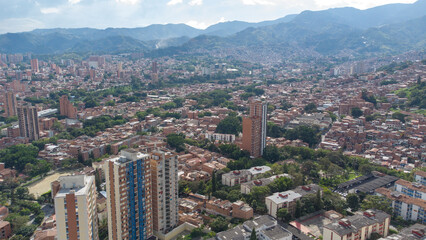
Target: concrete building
(128, 183)
(288, 199)
(265, 226)
(28, 122)
(5, 230)
(165, 190)
(407, 207)
(34, 66)
(420, 176)
(241, 176)
(75, 208)
(10, 104)
(254, 129)
(359, 226)
(411, 189)
(66, 107)
(415, 232)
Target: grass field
(43, 185)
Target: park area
(43, 185)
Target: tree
(399, 116)
(229, 125)
(176, 141)
(298, 211)
(377, 202)
(356, 112)
(253, 234)
(283, 214)
(318, 201)
(220, 224)
(353, 201)
(310, 108)
(214, 183)
(271, 154)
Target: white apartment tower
(165, 200)
(75, 208)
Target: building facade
(66, 107)
(359, 226)
(129, 204)
(254, 129)
(10, 104)
(409, 208)
(75, 208)
(34, 66)
(165, 190)
(288, 199)
(28, 122)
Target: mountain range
(388, 28)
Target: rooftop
(287, 196)
(77, 184)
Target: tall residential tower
(128, 181)
(28, 122)
(10, 104)
(165, 189)
(75, 208)
(254, 129)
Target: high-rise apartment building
(75, 208)
(66, 107)
(254, 129)
(165, 200)
(10, 104)
(28, 122)
(34, 66)
(128, 181)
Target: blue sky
(26, 15)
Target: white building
(265, 226)
(241, 176)
(359, 226)
(420, 177)
(288, 199)
(75, 208)
(407, 207)
(411, 189)
(165, 190)
(220, 137)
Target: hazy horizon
(27, 15)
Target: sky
(26, 15)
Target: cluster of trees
(251, 91)
(309, 135)
(232, 124)
(92, 126)
(368, 97)
(310, 108)
(157, 112)
(388, 82)
(22, 209)
(176, 141)
(23, 158)
(356, 112)
(209, 99)
(391, 68)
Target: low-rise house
(265, 226)
(359, 226)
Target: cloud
(51, 10)
(174, 2)
(129, 2)
(258, 2)
(74, 1)
(19, 25)
(196, 24)
(195, 2)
